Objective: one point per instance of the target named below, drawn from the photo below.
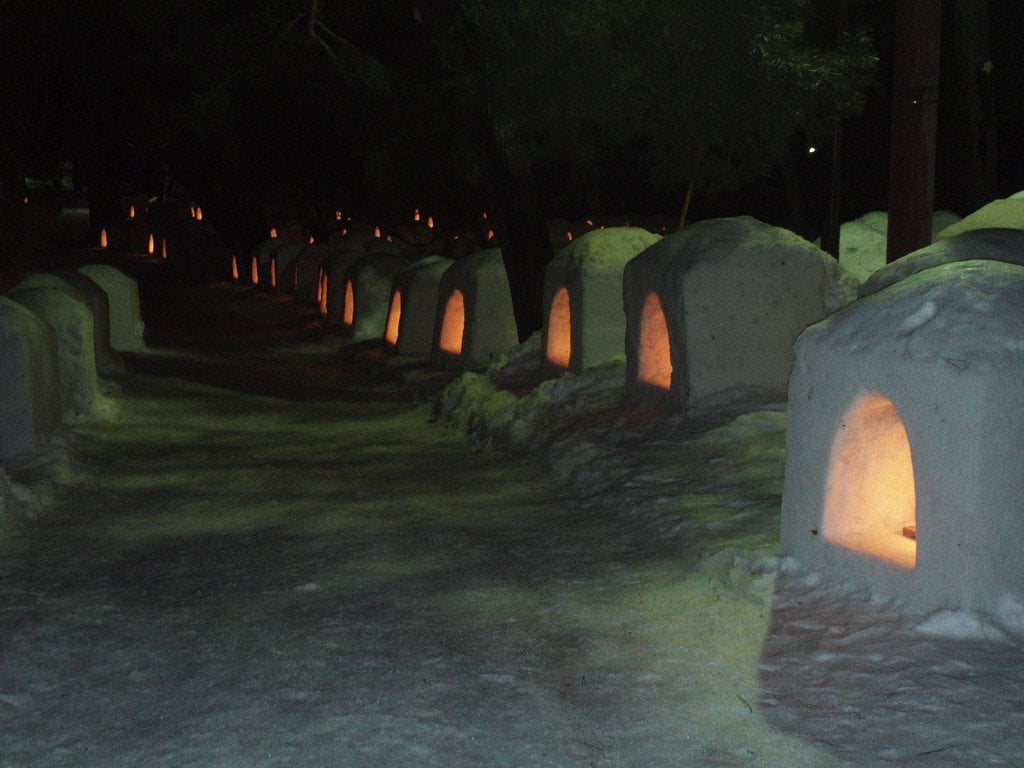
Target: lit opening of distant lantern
(199, 213)
(654, 353)
(376, 232)
(234, 267)
(394, 317)
(568, 235)
(337, 215)
(416, 215)
(273, 232)
(430, 222)
(453, 326)
(163, 247)
(192, 211)
(131, 212)
(870, 501)
(350, 304)
(321, 292)
(254, 271)
(559, 324)
(311, 239)
(103, 238)
(273, 273)
(490, 234)
(151, 246)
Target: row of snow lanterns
(195, 212)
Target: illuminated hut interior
(30, 407)
(412, 325)
(73, 325)
(712, 312)
(475, 322)
(126, 326)
(585, 324)
(368, 293)
(905, 427)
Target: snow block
(126, 326)
(585, 324)
(712, 312)
(30, 406)
(995, 244)
(72, 323)
(905, 441)
(862, 242)
(999, 214)
(475, 321)
(366, 303)
(412, 312)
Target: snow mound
(862, 242)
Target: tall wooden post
(915, 97)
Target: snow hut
(302, 273)
(30, 405)
(368, 292)
(259, 260)
(280, 257)
(331, 285)
(126, 326)
(999, 214)
(712, 312)
(585, 324)
(905, 442)
(412, 311)
(72, 323)
(475, 323)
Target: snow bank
(862, 242)
(1006, 214)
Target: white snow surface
(226, 579)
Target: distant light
(811, 150)
(273, 232)
(416, 215)
(337, 215)
(376, 232)
(430, 222)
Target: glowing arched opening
(163, 247)
(103, 238)
(870, 501)
(273, 273)
(394, 317)
(254, 271)
(559, 329)
(654, 353)
(453, 326)
(151, 245)
(321, 292)
(350, 304)
(234, 267)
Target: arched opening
(254, 271)
(559, 349)
(394, 316)
(103, 238)
(163, 247)
(453, 325)
(870, 501)
(234, 267)
(654, 353)
(321, 292)
(151, 245)
(273, 272)
(349, 315)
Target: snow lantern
(30, 406)
(368, 293)
(585, 323)
(994, 244)
(999, 214)
(73, 325)
(332, 283)
(475, 322)
(280, 258)
(412, 314)
(712, 312)
(259, 261)
(94, 298)
(905, 442)
(126, 326)
(303, 271)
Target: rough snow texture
(1007, 214)
(126, 326)
(280, 258)
(418, 286)
(995, 244)
(946, 348)
(490, 326)
(862, 242)
(85, 290)
(72, 322)
(735, 293)
(371, 277)
(30, 405)
(590, 270)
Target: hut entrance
(394, 317)
(454, 324)
(349, 315)
(321, 291)
(559, 349)
(870, 501)
(654, 355)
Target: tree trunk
(914, 111)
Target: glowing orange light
(273, 232)
(350, 304)
(24, 200)
(590, 222)
(131, 212)
(199, 213)
(559, 337)
(344, 232)
(337, 215)
(484, 214)
(394, 317)
(163, 247)
(870, 499)
(390, 239)
(192, 211)
(150, 246)
(103, 238)
(254, 272)
(376, 232)
(311, 240)
(490, 234)
(430, 222)
(321, 292)
(568, 234)
(234, 267)
(655, 352)
(416, 215)
(453, 326)
(273, 273)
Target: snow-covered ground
(279, 568)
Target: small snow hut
(475, 322)
(905, 441)
(302, 273)
(259, 261)
(368, 293)
(585, 323)
(999, 214)
(73, 325)
(412, 312)
(126, 326)
(331, 284)
(30, 406)
(280, 257)
(712, 312)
